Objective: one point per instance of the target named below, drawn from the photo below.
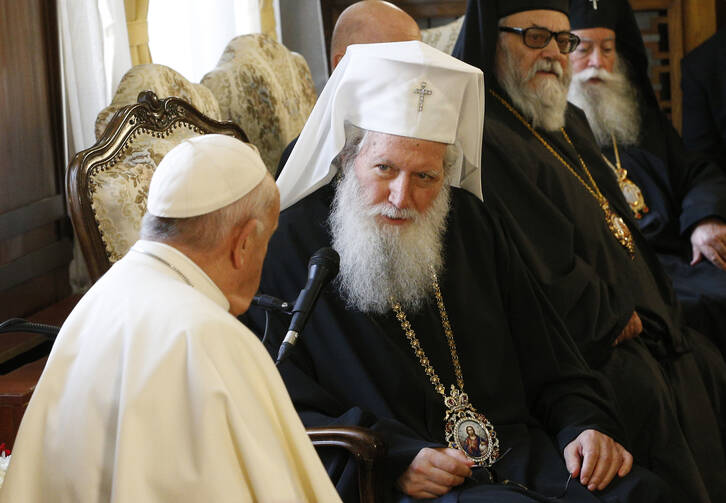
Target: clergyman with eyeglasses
(543, 171)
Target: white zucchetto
(401, 88)
(204, 174)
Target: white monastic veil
(402, 88)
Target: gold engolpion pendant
(633, 194)
(634, 197)
(469, 431)
(619, 229)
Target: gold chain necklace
(464, 428)
(633, 194)
(615, 223)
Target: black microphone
(270, 303)
(323, 267)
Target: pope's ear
(243, 238)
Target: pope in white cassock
(154, 391)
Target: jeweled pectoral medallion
(464, 428)
(633, 194)
(469, 431)
(634, 197)
(619, 228)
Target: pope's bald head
(370, 22)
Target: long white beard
(380, 262)
(546, 104)
(611, 106)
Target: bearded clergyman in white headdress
(432, 328)
(154, 392)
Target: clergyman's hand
(708, 240)
(632, 329)
(595, 458)
(433, 472)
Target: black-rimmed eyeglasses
(538, 38)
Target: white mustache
(390, 211)
(594, 73)
(546, 65)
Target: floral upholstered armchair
(162, 81)
(264, 88)
(443, 37)
(107, 184)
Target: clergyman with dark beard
(543, 172)
(428, 327)
(678, 200)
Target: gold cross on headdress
(594, 4)
(422, 93)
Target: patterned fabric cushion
(164, 82)
(443, 37)
(266, 90)
(118, 192)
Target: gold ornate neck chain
(633, 194)
(464, 428)
(615, 223)
(416, 345)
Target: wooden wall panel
(34, 233)
(699, 22)
(25, 115)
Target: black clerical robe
(704, 98)
(284, 157)
(680, 190)
(595, 285)
(519, 366)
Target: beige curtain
(267, 18)
(136, 12)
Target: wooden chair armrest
(362, 443)
(365, 445)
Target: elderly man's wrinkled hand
(596, 458)
(433, 472)
(632, 329)
(708, 240)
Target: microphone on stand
(323, 267)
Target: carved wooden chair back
(162, 81)
(107, 184)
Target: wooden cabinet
(17, 385)
(16, 388)
(35, 242)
